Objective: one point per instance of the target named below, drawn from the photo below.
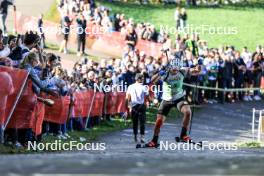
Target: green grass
(247, 20)
(250, 144)
(52, 14)
(89, 136)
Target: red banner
(116, 103)
(58, 113)
(121, 102)
(111, 103)
(82, 103)
(23, 116)
(98, 104)
(12, 82)
(39, 114)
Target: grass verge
(250, 144)
(79, 136)
(246, 20)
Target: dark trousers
(220, 93)
(210, 94)
(81, 43)
(239, 81)
(139, 114)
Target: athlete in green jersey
(173, 96)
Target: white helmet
(176, 63)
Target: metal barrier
(259, 121)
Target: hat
(142, 53)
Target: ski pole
(192, 108)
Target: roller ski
(151, 144)
(187, 139)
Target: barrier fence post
(260, 126)
(89, 112)
(253, 123)
(224, 95)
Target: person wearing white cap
(135, 101)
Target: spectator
(183, 18)
(4, 12)
(257, 71)
(239, 72)
(81, 36)
(41, 32)
(131, 38)
(247, 57)
(192, 45)
(65, 23)
(177, 17)
(212, 69)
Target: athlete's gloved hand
(162, 72)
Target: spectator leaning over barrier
(30, 63)
(136, 104)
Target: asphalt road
(216, 123)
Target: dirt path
(215, 123)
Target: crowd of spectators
(84, 12)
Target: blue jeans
(3, 22)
